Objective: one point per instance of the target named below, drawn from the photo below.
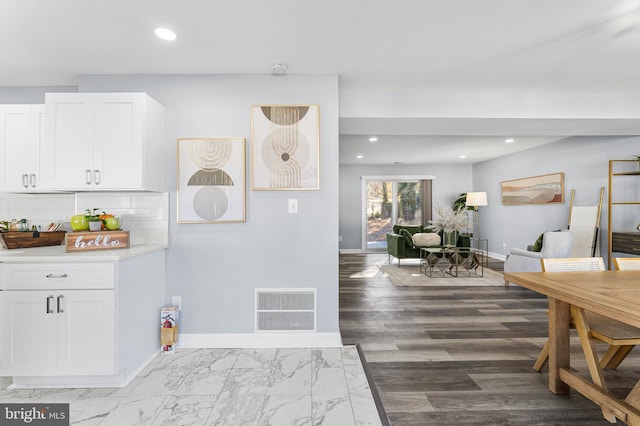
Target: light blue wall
(584, 162)
(450, 180)
(30, 94)
(216, 267)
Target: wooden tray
(28, 239)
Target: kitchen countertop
(58, 254)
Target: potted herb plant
(94, 219)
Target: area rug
(409, 275)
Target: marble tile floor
(456, 355)
(230, 387)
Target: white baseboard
(129, 376)
(498, 256)
(259, 340)
(120, 380)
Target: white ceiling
(407, 45)
(444, 149)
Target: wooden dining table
(613, 294)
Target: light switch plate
(293, 205)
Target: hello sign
(98, 240)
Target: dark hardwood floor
(460, 355)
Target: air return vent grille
(282, 310)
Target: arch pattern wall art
(285, 145)
(211, 180)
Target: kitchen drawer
(58, 276)
(625, 242)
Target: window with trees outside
(390, 202)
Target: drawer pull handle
(57, 275)
(60, 309)
(87, 176)
(32, 180)
(49, 311)
(96, 177)
(25, 181)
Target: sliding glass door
(390, 202)
(379, 213)
(409, 203)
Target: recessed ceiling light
(463, 156)
(509, 140)
(165, 34)
(359, 156)
(373, 139)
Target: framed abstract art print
(545, 189)
(285, 145)
(211, 180)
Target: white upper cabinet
(103, 141)
(21, 134)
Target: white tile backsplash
(145, 215)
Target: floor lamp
(476, 199)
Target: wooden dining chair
(620, 337)
(626, 263)
(569, 264)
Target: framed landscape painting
(211, 180)
(546, 189)
(285, 144)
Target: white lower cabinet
(29, 334)
(53, 333)
(80, 324)
(86, 332)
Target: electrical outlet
(293, 205)
(340, 238)
(177, 301)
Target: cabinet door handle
(96, 176)
(87, 176)
(56, 275)
(32, 180)
(59, 308)
(25, 180)
(49, 311)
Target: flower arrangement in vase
(450, 223)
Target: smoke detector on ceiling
(279, 68)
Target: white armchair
(554, 244)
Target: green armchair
(400, 243)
